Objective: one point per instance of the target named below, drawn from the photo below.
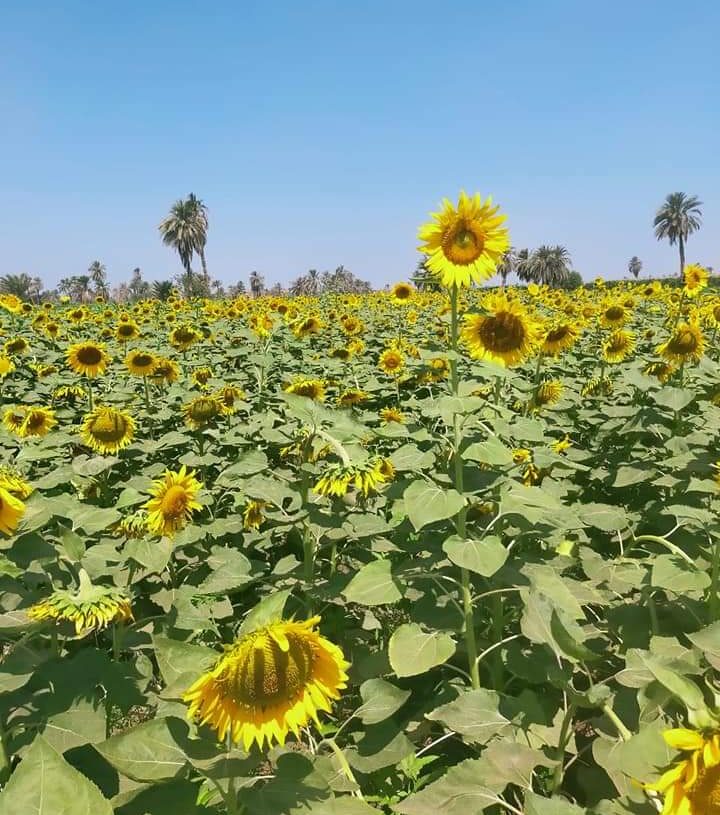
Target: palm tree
(635, 266)
(185, 230)
(21, 285)
(162, 289)
(98, 276)
(257, 284)
(423, 279)
(548, 265)
(678, 217)
(203, 224)
(507, 265)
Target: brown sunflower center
(557, 334)
(502, 332)
(684, 342)
(109, 427)
(392, 362)
(705, 793)
(402, 292)
(89, 355)
(126, 330)
(35, 421)
(615, 313)
(174, 502)
(308, 389)
(143, 361)
(266, 675)
(463, 244)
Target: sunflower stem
(91, 402)
(344, 766)
(625, 734)
(147, 394)
(562, 744)
(714, 600)
(5, 763)
(460, 521)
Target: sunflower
(201, 411)
(311, 388)
(17, 345)
(712, 314)
(11, 510)
(507, 336)
(11, 303)
(7, 366)
(227, 397)
(597, 387)
(253, 514)
(548, 393)
(529, 472)
(391, 415)
(173, 501)
(662, 371)
(107, 430)
(685, 344)
(352, 325)
(340, 353)
(68, 393)
(37, 421)
(391, 362)
(141, 363)
(401, 293)
(165, 371)
(613, 315)
(366, 478)
(561, 445)
(464, 244)
(13, 417)
(201, 376)
(618, 345)
(182, 337)
(558, 338)
(87, 358)
(52, 329)
(90, 608)
(14, 483)
(306, 327)
(127, 330)
(696, 279)
(692, 786)
(269, 682)
(351, 397)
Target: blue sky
(321, 133)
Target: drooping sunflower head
(311, 388)
(402, 293)
(613, 315)
(307, 326)
(390, 415)
(11, 510)
(165, 371)
(201, 411)
(685, 344)
(548, 393)
(696, 279)
(141, 363)
(391, 361)
(107, 430)
(351, 397)
(182, 337)
(90, 607)
(618, 345)
(366, 478)
(253, 514)
(352, 325)
(228, 397)
(506, 335)
(201, 376)
(173, 501)
(38, 421)
(661, 370)
(17, 345)
(464, 243)
(597, 386)
(87, 358)
(268, 683)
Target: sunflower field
(414, 552)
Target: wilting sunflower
(507, 336)
(597, 387)
(685, 344)
(253, 514)
(182, 337)
(662, 371)
(68, 393)
(7, 366)
(107, 430)
(141, 363)
(201, 376)
(227, 397)
(548, 393)
(696, 279)
(14, 483)
(165, 371)
(201, 411)
(464, 244)
(529, 472)
(402, 293)
(352, 396)
(90, 608)
(618, 345)
(37, 421)
(366, 478)
(558, 338)
(18, 345)
(173, 502)
(311, 388)
(561, 445)
(11, 510)
(391, 361)
(306, 327)
(692, 786)
(87, 358)
(391, 415)
(269, 682)
(127, 330)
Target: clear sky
(321, 133)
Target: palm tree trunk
(682, 255)
(206, 277)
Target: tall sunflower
(201, 411)
(391, 361)
(269, 682)
(38, 421)
(87, 358)
(464, 243)
(173, 501)
(402, 293)
(311, 388)
(618, 345)
(685, 344)
(141, 363)
(559, 337)
(107, 430)
(696, 279)
(506, 335)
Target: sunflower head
(165, 371)
(11, 509)
(201, 376)
(506, 334)
(464, 243)
(402, 293)
(91, 607)
(351, 397)
(311, 388)
(685, 344)
(107, 430)
(307, 326)
(227, 397)
(392, 361)
(37, 421)
(661, 370)
(182, 337)
(618, 345)
(7, 366)
(201, 411)
(127, 330)
(548, 393)
(253, 514)
(366, 478)
(696, 279)
(390, 415)
(269, 682)
(173, 501)
(613, 315)
(17, 345)
(559, 337)
(141, 363)
(87, 358)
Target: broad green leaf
(475, 715)
(266, 611)
(176, 658)
(674, 398)
(426, 503)
(84, 723)
(492, 452)
(413, 651)
(373, 585)
(380, 700)
(230, 571)
(483, 557)
(537, 805)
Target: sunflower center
(109, 427)
(35, 421)
(557, 334)
(615, 313)
(89, 355)
(503, 331)
(684, 342)
(174, 502)
(143, 360)
(126, 330)
(266, 675)
(463, 244)
(705, 793)
(203, 409)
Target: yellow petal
(683, 739)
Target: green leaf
(672, 573)
(537, 805)
(373, 585)
(72, 543)
(426, 503)
(603, 516)
(483, 557)
(410, 458)
(180, 659)
(492, 452)
(674, 398)
(45, 784)
(475, 715)
(94, 519)
(230, 571)
(81, 724)
(569, 636)
(268, 610)
(413, 651)
(380, 700)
